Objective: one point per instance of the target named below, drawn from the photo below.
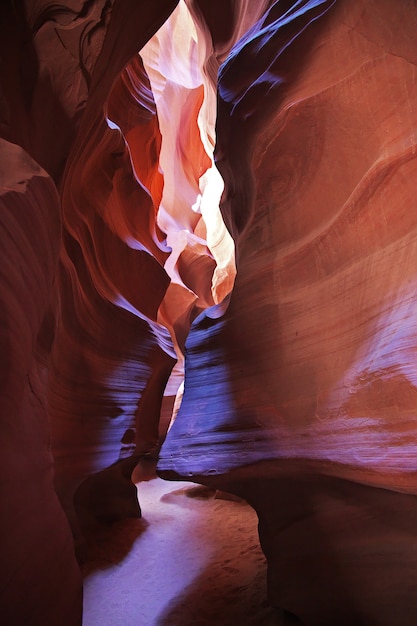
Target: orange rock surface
(225, 187)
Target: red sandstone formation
(300, 387)
(301, 394)
(40, 581)
(58, 63)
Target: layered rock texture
(229, 184)
(67, 345)
(301, 393)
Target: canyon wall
(300, 393)
(300, 387)
(63, 336)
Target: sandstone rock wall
(300, 385)
(58, 64)
(300, 393)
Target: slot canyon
(208, 218)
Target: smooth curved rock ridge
(300, 395)
(308, 243)
(131, 107)
(51, 51)
(209, 332)
(176, 60)
(39, 582)
(118, 356)
(59, 64)
(179, 60)
(300, 388)
(225, 24)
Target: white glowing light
(175, 60)
(112, 124)
(196, 206)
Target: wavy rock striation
(40, 582)
(300, 387)
(73, 321)
(300, 395)
(110, 222)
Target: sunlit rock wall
(300, 394)
(300, 388)
(109, 347)
(113, 243)
(144, 251)
(58, 287)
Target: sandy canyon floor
(193, 559)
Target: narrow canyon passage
(192, 559)
(208, 211)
